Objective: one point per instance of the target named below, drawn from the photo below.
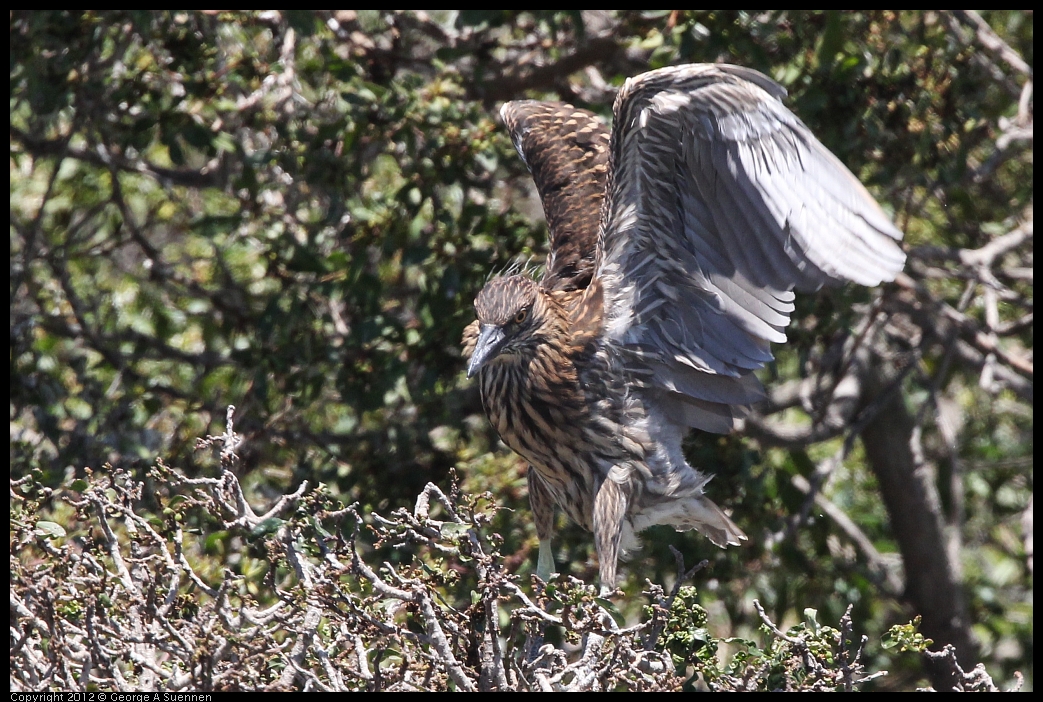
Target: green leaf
(266, 527)
(49, 530)
(454, 529)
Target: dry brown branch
(130, 605)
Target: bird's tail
(701, 514)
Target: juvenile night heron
(676, 243)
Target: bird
(677, 242)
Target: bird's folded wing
(720, 203)
(566, 150)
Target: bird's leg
(610, 509)
(542, 503)
(545, 562)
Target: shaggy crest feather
(524, 266)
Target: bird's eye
(521, 316)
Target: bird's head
(510, 318)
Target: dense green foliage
(292, 212)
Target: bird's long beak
(490, 340)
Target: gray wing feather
(721, 203)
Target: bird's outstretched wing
(720, 203)
(566, 150)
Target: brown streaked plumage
(676, 244)
(566, 150)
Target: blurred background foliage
(292, 211)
